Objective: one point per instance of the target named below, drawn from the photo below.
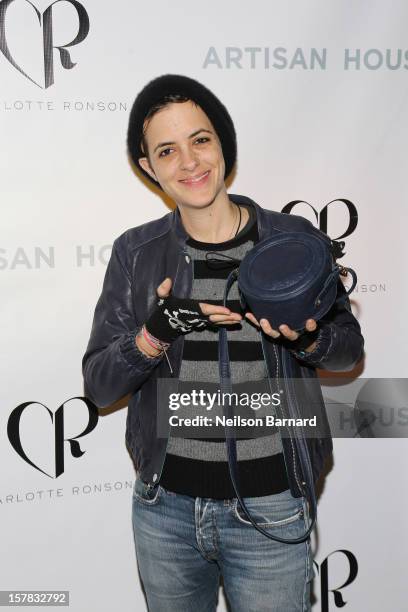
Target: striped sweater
(198, 466)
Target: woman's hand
(284, 329)
(217, 314)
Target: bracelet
(149, 342)
(157, 344)
(153, 341)
(149, 337)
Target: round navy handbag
(291, 277)
(287, 278)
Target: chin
(199, 201)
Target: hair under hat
(168, 84)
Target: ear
(144, 162)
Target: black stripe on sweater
(207, 350)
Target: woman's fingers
(222, 318)
(292, 334)
(163, 290)
(220, 314)
(289, 333)
(311, 325)
(250, 317)
(264, 324)
(267, 328)
(210, 309)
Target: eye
(164, 151)
(203, 139)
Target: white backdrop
(317, 92)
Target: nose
(189, 158)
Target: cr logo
(45, 19)
(323, 217)
(13, 432)
(324, 580)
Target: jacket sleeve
(339, 344)
(112, 365)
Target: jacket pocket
(144, 494)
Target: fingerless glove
(304, 340)
(174, 317)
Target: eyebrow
(163, 144)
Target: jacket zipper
(293, 403)
(282, 403)
(151, 486)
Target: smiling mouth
(196, 179)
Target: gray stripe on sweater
(207, 371)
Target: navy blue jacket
(113, 366)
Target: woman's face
(185, 155)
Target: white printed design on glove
(184, 326)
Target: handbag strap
(343, 271)
(337, 271)
(226, 387)
(336, 249)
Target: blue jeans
(183, 546)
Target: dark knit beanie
(167, 84)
